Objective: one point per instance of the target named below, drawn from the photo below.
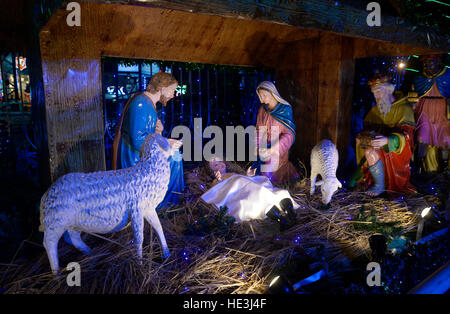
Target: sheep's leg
(51, 238)
(137, 223)
(153, 220)
(73, 237)
(313, 182)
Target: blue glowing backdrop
(221, 95)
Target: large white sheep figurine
(324, 162)
(107, 201)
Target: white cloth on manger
(246, 197)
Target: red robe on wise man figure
(387, 142)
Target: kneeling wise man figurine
(386, 141)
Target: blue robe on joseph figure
(139, 121)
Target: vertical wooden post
(73, 96)
(316, 77)
(336, 73)
(296, 81)
(347, 76)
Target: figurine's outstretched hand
(379, 142)
(218, 175)
(264, 153)
(251, 172)
(176, 144)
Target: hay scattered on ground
(236, 258)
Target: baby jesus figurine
(246, 196)
(219, 169)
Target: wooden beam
(336, 72)
(318, 14)
(150, 33)
(363, 48)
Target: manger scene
(213, 147)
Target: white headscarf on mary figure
(267, 85)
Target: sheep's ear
(339, 184)
(320, 182)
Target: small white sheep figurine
(107, 201)
(324, 162)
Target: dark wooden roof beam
(330, 16)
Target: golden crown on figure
(378, 79)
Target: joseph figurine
(138, 120)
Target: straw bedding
(209, 253)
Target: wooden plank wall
(314, 68)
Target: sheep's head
(328, 189)
(154, 143)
